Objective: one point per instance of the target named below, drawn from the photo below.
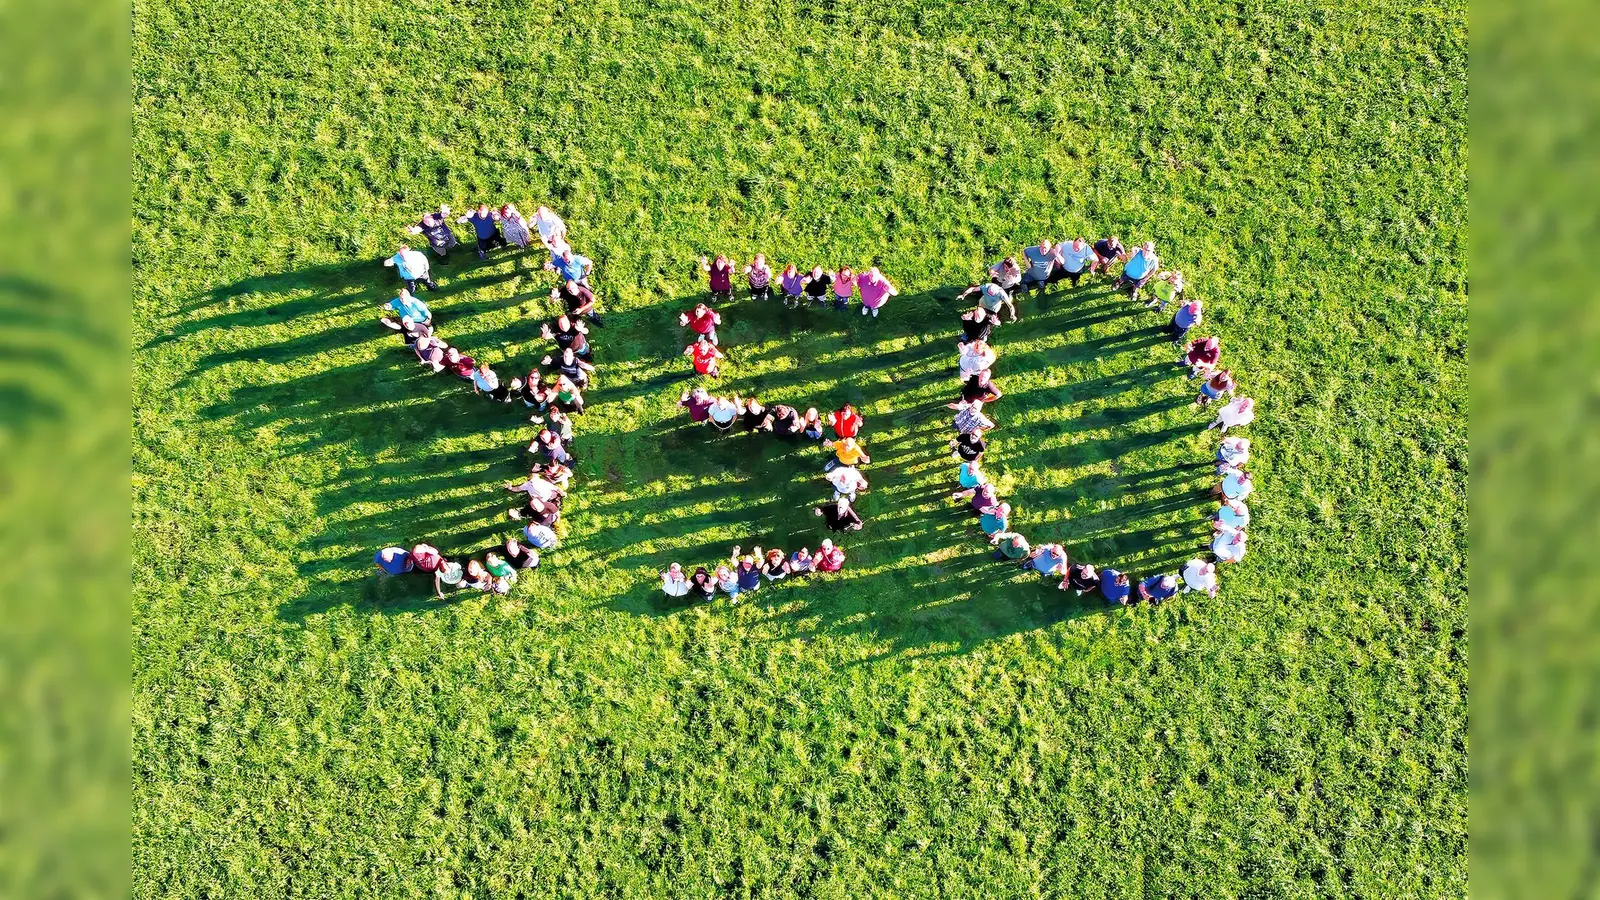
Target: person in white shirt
(1076, 256)
(1199, 575)
(846, 480)
(1228, 546)
(1006, 273)
(976, 357)
(413, 268)
(673, 582)
(552, 231)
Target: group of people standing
(1048, 263)
(553, 395)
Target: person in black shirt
(701, 585)
(754, 416)
(520, 556)
(785, 422)
(579, 300)
(567, 333)
(980, 386)
(976, 325)
(839, 515)
(969, 447)
(571, 366)
(1081, 577)
(435, 226)
(817, 284)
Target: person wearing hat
(1081, 578)
(746, 570)
(412, 268)
(1137, 269)
(435, 226)
(829, 558)
(673, 582)
(1202, 356)
(1199, 575)
(450, 575)
(1158, 588)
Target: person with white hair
(829, 558)
(974, 358)
(412, 267)
(1137, 269)
(552, 231)
(673, 582)
(1158, 588)
(971, 420)
(435, 226)
(1233, 451)
(875, 291)
(846, 481)
(1232, 515)
(1199, 575)
(1242, 411)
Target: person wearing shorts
(1106, 251)
(1138, 269)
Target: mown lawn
(925, 724)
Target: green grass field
(925, 724)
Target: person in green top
(503, 572)
(1010, 545)
(1166, 287)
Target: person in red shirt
(702, 320)
(829, 558)
(705, 356)
(846, 421)
(721, 275)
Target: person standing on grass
(970, 419)
(817, 283)
(569, 397)
(786, 422)
(1229, 546)
(541, 537)
(673, 582)
(1042, 260)
(801, 562)
(995, 519)
(1106, 251)
(975, 357)
(1242, 411)
(1158, 589)
(875, 291)
(759, 276)
(969, 447)
(1187, 317)
(1233, 451)
(1081, 578)
(568, 335)
(578, 299)
(793, 284)
(970, 475)
(976, 325)
(746, 569)
(703, 321)
(774, 567)
(1137, 269)
(571, 266)
(1115, 588)
(550, 445)
(702, 586)
(812, 424)
(1202, 356)
(560, 425)
(729, 583)
(698, 403)
(705, 356)
(435, 227)
(720, 274)
(394, 560)
(1006, 274)
(412, 268)
(483, 221)
(1009, 545)
(845, 421)
(839, 515)
(846, 452)
(723, 412)
(410, 332)
(846, 480)
(844, 287)
(567, 363)
(552, 231)
(1048, 560)
(829, 558)
(993, 298)
(1199, 575)
(979, 497)
(1232, 515)
(1218, 386)
(408, 309)
(754, 417)
(979, 387)
(538, 487)
(460, 364)
(1167, 287)
(515, 226)
(520, 556)
(485, 381)
(477, 577)
(1075, 257)
(1236, 484)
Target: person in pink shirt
(875, 291)
(844, 284)
(829, 558)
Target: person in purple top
(1187, 317)
(484, 224)
(1114, 585)
(435, 226)
(1158, 588)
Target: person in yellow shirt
(846, 452)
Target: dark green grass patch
(927, 723)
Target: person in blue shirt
(1187, 317)
(572, 267)
(1139, 267)
(1047, 559)
(483, 221)
(1042, 260)
(1158, 588)
(1114, 585)
(408, 309)
(412, 267)
(746, 570)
